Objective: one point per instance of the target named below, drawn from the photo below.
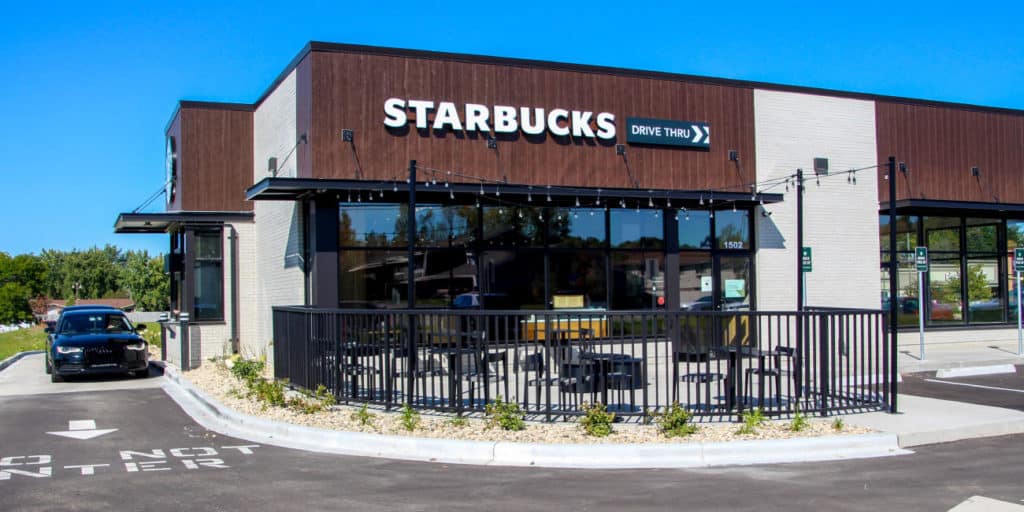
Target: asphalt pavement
(1005, 390)
(159, 459)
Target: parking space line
(975, 385)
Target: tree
(21, 278)
(143, 278)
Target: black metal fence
(551, 363)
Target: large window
(513, 256)
(967, 281)
(208, 275)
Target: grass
(22, 340)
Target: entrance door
(734, 283)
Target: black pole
(801, 350)
(799, 239)
(411, 288)
(893, 297)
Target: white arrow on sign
(83, 429)
(701, 133)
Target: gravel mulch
(215, 380)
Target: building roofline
(325, 47)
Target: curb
(214, 416)
(16, 357)
(971, 371)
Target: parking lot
(999, 390)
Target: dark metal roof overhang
(291, 189)
(938, 207)
(170, 221)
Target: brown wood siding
(349, 90)
(941, 144)
(216, 159)
(174, 130)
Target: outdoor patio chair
(763, 372)
(697, 371)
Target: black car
(95, 341)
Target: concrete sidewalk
(943, 356)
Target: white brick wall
(278, 232)
(247, 289)
(840, 219)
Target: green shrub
(506, 415)
(247, 369)
(596, 420)
(799, 422)
(752, 419)
(458, 422)
(675, 421)
(312, 403)
(410, 418)
(270, 392)
(363, 416)
(838, 425)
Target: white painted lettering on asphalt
(87, 469)
(157, 459)
(26, 460)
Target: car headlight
(136, 346)
(61, 349)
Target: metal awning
(937, 207)
(291, 189)
(170, 221)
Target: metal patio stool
(703, 377)
(768, 372)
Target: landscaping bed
(215, 379)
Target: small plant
(675, 421)
(312, 403)
(506, 415)
(246, 370)
(596, 420)
(752, 419)
(410, 418)
(799, 422)
(363, 416)
(838, 425)
(458, 422)
(270, 392)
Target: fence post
(823, 362)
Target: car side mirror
(48, 330)
(140, 327)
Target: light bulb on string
(668, 202)
(520, 212)
(394, 187)
(451, 194)
(549, 193)
(577, 201)
(598, 201)
(369, 195)
(349, 200)
(711, 214)
(650, 202)
(622, 203)
(712, 199)
(638, 206)
(702, 199)
(734, 207)
(497, 191)
(380, 192)
(529, 195)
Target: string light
(598, 201)
(549, 193)
(482, 188)
(451, 194)
(394, 188)
(529, 195)
(577, 201)
(702, 199)
(650, 202)
(497, 191)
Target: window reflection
(638, 280)
(694, 229)
(695, 282)
(576, 227)
(732, 229)
(377, 225)
(579, 272)
(637, 229)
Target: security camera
(765, 213)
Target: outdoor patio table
(455, 369)
(734, 354)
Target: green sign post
(1018, 259)
(805, 259)
(921, 259)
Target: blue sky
(90, 86)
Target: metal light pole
(893, 270)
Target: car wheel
(55, 378)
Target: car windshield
(96, 323)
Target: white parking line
(975, 386)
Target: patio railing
(551, 363)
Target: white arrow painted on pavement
(83, 429)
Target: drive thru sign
(921, 259)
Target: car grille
(103, 355)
